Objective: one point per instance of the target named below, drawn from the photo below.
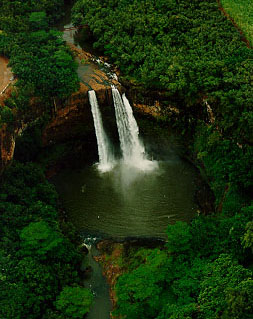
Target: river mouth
(127, 201)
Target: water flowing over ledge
(132, 148)
(106, 157)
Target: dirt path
(5, 74)
(244, 39)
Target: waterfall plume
(133, 150)
(106, 157)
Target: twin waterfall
(133, 151)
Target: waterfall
(106, 158)
(131, 146)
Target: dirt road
(5, 74)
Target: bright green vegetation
(39, 260)
(74, 302)
(242, 12)
(44, 66)
(197, 275)
(192, 53)
(38, 255)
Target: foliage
(140, 293)
(74, 302)
(219, 277)
(39, 58)
(195, 279)
(39, 239)
(248, 236)
(38, 21)
(37, 260)
(6, 115)
(237, 299)
(49, 72)
(179, 237)
(14, 15)
(227, 165)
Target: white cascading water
(132, 148)
(106, 158)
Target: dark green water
(127, 202)
(96, 282)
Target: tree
(142, 292)
(247, 241)
(74, 302)
(40, 240)
(240, 301)
(38, 21)
(219, 288)
(179, 237)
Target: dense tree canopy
(44, 66)
(74, 302)
(37, 260)
(192, 277)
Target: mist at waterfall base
(136, 197)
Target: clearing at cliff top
(5, 74)
(242, 13)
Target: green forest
(39, 58)
(195, 56)
(39, 255)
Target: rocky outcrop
(7, 146)
(6, 75)
(75, 118)
(10, 131)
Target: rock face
(69, 120)
(75, 118)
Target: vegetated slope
(242, 13)
(43, 64)
(191, 50)
(39, 262)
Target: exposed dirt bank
(5, 74)
(113, 259)
(244, 39)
